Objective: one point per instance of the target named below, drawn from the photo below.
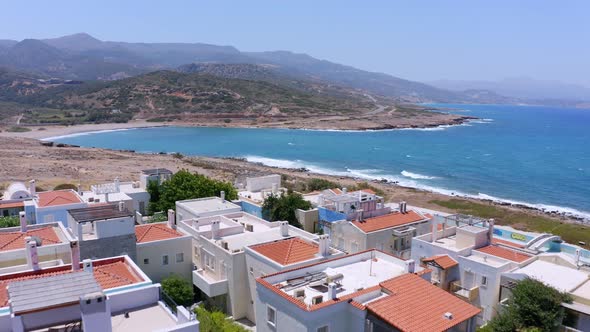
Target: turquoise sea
(538, 156)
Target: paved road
(379, 109)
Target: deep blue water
(534, 155)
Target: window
(271, 316)
(323, 329)
(146, 261)
(209, 261)
(251, 270)
(165, 260)
(484, 280)
(180, 257)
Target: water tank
(17, 190)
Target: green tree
(186, 185)
(179, 289)
(11, 221)
(276, 208)
(215, 321)
(533, 306)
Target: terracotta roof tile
(109, 273)
(416, 305)
(11, 205)
(389, 220)
(508, 243)
(505, 253)
(155, 232)
(288, 251)
(16, 240)
(443, 261)
(57, 197)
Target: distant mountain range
(83, 57)
(523, 88)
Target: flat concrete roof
(558, 276)
(99, 212)
(152, 318)
(583, 291)
(206, 205)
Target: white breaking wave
(417, 176)
(408, 181)
(53, 138)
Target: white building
(133, 194)
(219, 244)
(52, 242)
(162, 250)
(51, 206)
(467, 261)
(204, 207)
(158, 175)
(103, 295)
(392, 232)
(367, 291)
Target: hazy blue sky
(420, 40)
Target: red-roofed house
(52, 206)
(52, 246)
(391, 232)
(163, 250)
(110, 294)
(367, 291)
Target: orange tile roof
(57, 197)
(417, 305)
(508, 243)
(16, 240)
(386, 221)
(443, 261)
(505, 253)
(155, 232)
(11, 205)
(288, 251)
(109, 273)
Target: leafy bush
(11, 221)
(533, 306)
(277, 208)
(215, 321)
(179, 289)
(64, 186)
(186, 185)
(321, 184)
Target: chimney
(32, 188)
(577, 256)
(87, 264)
(491, 230)
(79, 189)
(324, 248)
(117, 184)
(344, 190)
(215, 229)
(222, 195)
(32, 258)
(434, 223)
(410, 266)
(360, 215)
(121, 206)
(332, 291)
(284, 226)
(75, 252)
(106, 197)
(23, 221)
(403, 207)
(171, 220)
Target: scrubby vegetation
(282, 207)
(11, 221)
(572, 233)
(216, 321)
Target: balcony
(209, 284)
(467, 294)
